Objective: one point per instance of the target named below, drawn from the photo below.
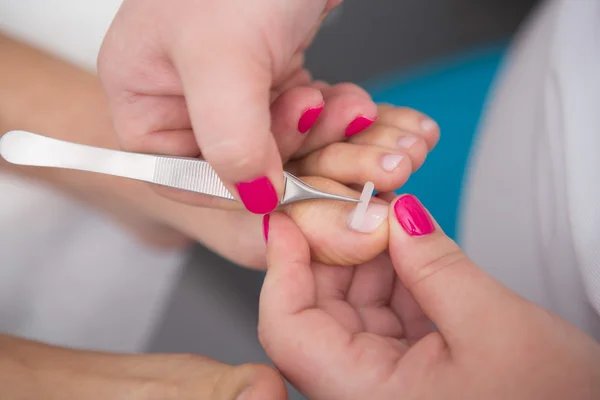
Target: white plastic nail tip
(361, 208)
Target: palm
(361, 322)
(368, 300)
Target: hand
(396, 142)
(31, 370)
(224, 79)
(365, 331)
(33, 79)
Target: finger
(348, 111)
(297, 76)
(415, 324)
(287, 312)
(340, 89)
(227, 84)
(459, 297)
(370, 295)
(293, 114)
(229, 105)
(411, 121)
(288, 255)
(356, 164)
(154, 125)
(325, 224)
(394, 139)
(333, 283)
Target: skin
(322, 324)
(31, 370)
(34, 80)
(173, 84)
(69, 104)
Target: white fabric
(68, 275)
(72, 29)
(531, 214)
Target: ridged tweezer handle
(189, 174)
(26, 148)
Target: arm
(32, 370)
(46, 95)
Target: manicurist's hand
(221, 79)
(70, 105)
(367, 331)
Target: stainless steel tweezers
(190, 174)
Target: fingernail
(412, 216)
(374, 217)
(358, 125)
(266, 220)
(245, 394)
(428, 125)
(407, 142)
(309, 117)
(259, 196)
(391, 161)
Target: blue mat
(453, 93)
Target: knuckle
(433, 267)
(236, 154)
(348, 87)
(328, 155)
(399, 115)
(384, 133)
(130, 142)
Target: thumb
(227, 79)
(459, 297)
(228, 100)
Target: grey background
(214, 310)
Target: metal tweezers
(190, 174)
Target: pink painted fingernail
(266, 220)
(259, 196)
(358, 125)
(412, 216)
(309, 117)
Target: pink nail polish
(309, 117)
(259, 196)
(412, 216)
(358, 125)
(266, 219)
